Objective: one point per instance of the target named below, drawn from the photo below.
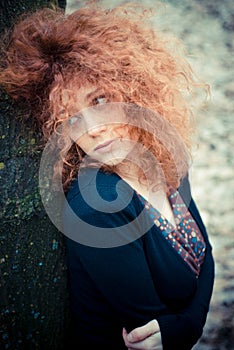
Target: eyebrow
(92, 94)
(87, 98)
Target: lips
(103, 146)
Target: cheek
(84, 143)
(122, 131)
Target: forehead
(75, 97)
(85, 93)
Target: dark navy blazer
(131, 282)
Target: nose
(93, 123)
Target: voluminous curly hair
(49, 53)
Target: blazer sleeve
(183, 330)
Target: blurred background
(207, 29)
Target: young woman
(139, 259)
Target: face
(100, 127)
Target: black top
(141, 277)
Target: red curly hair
(49, 53)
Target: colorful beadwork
(186, 237)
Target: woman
(139, 259)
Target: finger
(152, 343)
(129, 345)
(124, 334)
(143, 332)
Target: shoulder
(100, 210)
(91, 178)
(97, 191)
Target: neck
(138, 179)
(129, 171)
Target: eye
(74, 119)
(102, 99)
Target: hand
(147, 337)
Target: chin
(112, 162)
